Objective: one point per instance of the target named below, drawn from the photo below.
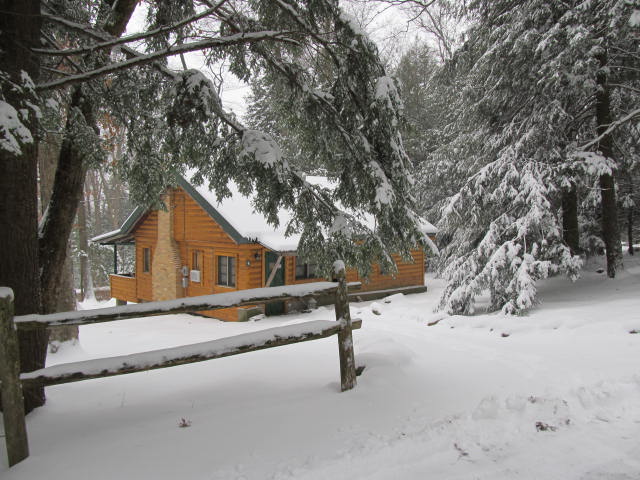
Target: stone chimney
(166, 264)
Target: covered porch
(122, 281)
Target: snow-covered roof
(239, 212)
(239, 219)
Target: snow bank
(558, 398)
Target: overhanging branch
(141, 59)
(610, 129)
(121, 40)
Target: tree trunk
(57, 224)
(610, 229)
(70, 175)
(570, 230)
(19, 32)
(63, 299)
(66, 301)
(630, 229)
(83, 246)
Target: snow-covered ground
(551, 395)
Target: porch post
(115, 258)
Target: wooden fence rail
(12, 381)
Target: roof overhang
(124, 234)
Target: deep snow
(551, 395)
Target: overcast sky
(387, 26)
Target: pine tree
(531, 121)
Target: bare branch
(610, 129)
(168, 52)
(122, 40)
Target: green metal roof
(123, 234)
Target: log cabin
(200, 245)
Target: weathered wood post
(15, 428)
(345, 338)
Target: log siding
(195, 230)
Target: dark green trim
(213, 213)
(124, 231)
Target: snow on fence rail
(179, 305)
(12, 382)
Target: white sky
(383, 23)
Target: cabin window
(146, 260)
(227, 271)
(305, 270)
(196, 260)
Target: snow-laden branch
(141, 59)
(162, 69)
(121, 40)
(610, 129)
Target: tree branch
(612, 126)
(140, 59)
(122, 40)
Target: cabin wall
(123, 288)
(145, 235)
(195, 231)
(409, 274)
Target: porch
(123, 287)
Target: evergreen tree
(530, 122)
(349, 115)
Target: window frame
(230, 271)
(146, 259)
(306, 266)
(197, 259)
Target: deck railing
(12, 381)
(123, 287)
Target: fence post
(15, 428)
(345, 338)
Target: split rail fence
(13, 382)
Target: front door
(274, 308)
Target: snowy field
(551, 395)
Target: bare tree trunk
(66, 193)
(66, 301)
(20, 24)
(63, 297)
(630, 229)
(83, 246)
(570, 230)
(610, 229)
(70, 174)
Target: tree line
(526, 137)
